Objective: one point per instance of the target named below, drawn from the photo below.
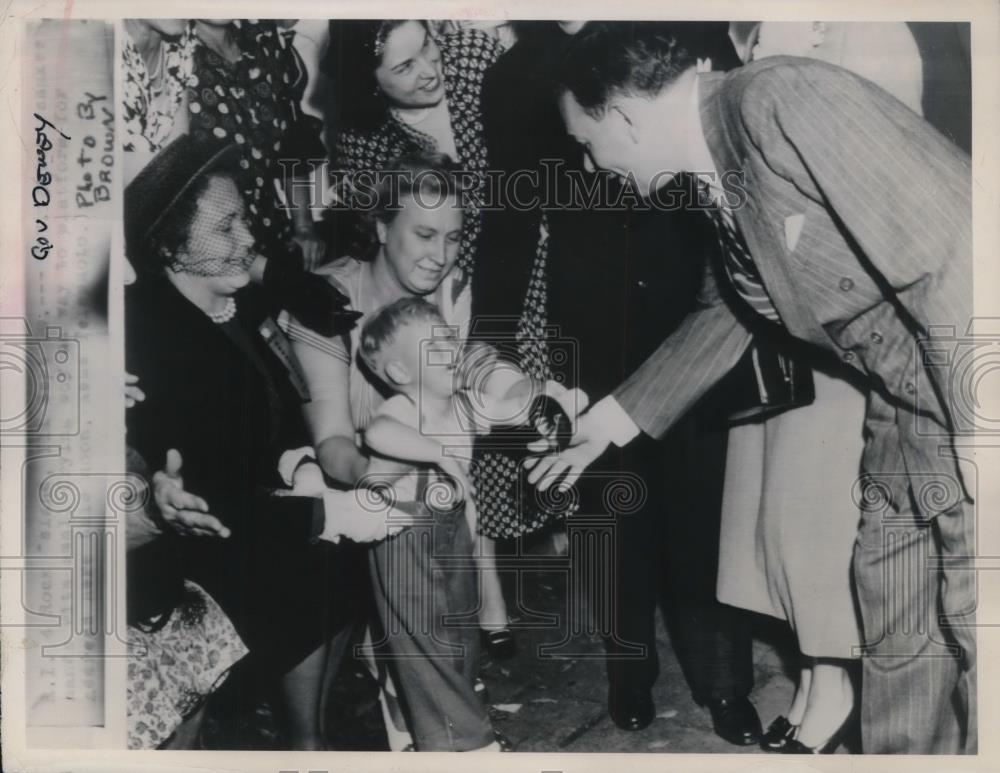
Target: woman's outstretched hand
(182, 511)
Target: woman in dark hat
(221, 387)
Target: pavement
(550, 697)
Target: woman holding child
(413, 256)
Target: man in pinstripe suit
(854, 217)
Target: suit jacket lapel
(727, 144)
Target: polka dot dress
(254, 104)
(508, 505)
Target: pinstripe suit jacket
(882, 259)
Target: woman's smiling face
(420, 243)
(410, 71)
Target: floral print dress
(178, 656)
(149, 108)
(173, 666)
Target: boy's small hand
(554, 414)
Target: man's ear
(626, 118)
(397, 373)
(381, 230)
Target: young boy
(425, 578)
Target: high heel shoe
(778, 734)
(499, 644)
(795, 746)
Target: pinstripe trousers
(919, 666)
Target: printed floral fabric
(466, 55)
(255, 103)
(149, 109)
(173, 667)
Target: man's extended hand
(182, 511)
(586, 445)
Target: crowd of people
(344, 412)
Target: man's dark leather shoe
(735, 720)
(631, 709)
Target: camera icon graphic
(967, 368)
(47, 368)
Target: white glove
(346, 517)
(291, 459)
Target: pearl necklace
(221, 317)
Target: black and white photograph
(524, 385)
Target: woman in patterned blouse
(399, 91)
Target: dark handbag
(768, 379)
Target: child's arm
(507, 396)
(390, 437)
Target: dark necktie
(739, 264)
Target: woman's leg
(798, 707)
(301, 690)
(493, 614)
(830, 701)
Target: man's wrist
(613, 422)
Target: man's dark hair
(625, 57)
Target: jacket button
(846, 284)
(848, 356)
(909, 388)
(876, 338)
(642, 284)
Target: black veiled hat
(163, 182)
